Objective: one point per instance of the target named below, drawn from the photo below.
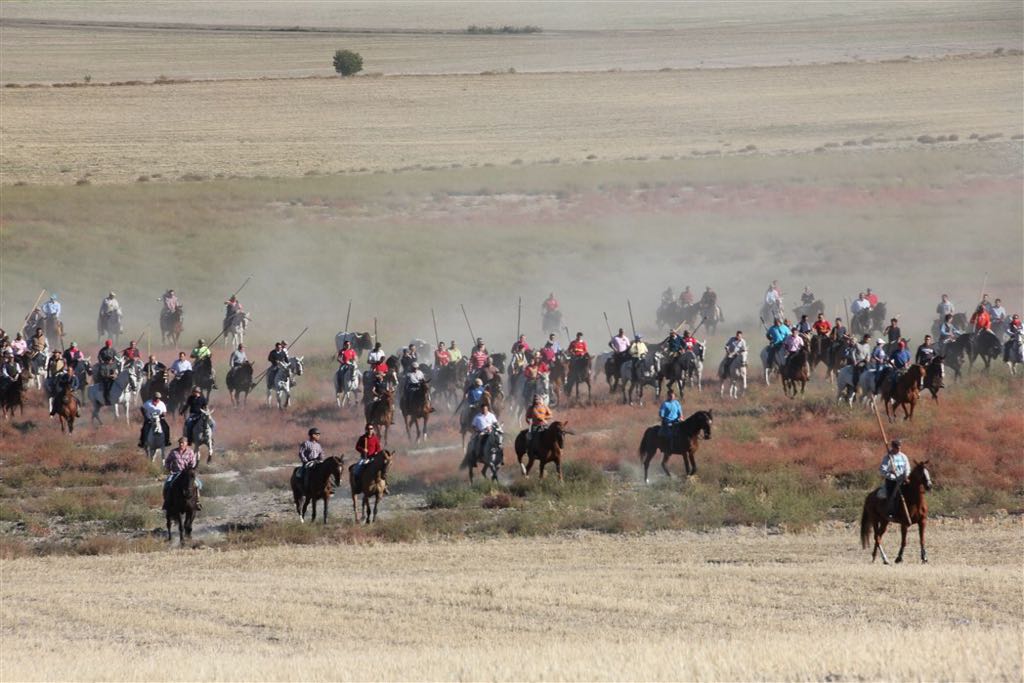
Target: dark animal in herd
(796, 370)
(319, 483)
(12, 394)
(904, 392)
(171, 326)
(239, 383)
(66, 408)
(545, 447)
(874, 519)
(370, 482)
(682, 438)
(415, 407)
(578, 373)
(380, 412)
(181, 503)
(490, 455)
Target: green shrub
(347, 62)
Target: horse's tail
(467, 460)
(865, 523)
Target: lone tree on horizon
(347, 62)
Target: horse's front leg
(542, 464)
(169, 536)
(879, 532)
(664, 463)
(903, 542)
(920, 532)
(691, 464)
(326, 499)
(355, 507)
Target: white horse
(346, 391)
(280, 381)
(647, 375)
(36, 367)
(735, 373)
(202, 433)
(846, 390)
(121, 393)
(1016, 355)
(234, 333)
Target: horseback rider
(550, 351)
(838, 330)
(415, 381)
(773, 297)
(347, 362)
(278, 355)
(892, 332)
(638, 349)
(60, 383)
(377, 355)
(619, 344)
(895, 469)
(879, 359)
(51, 309)
(998, 315)
(925, 352)
(310, 453)
(670, 413)
(793, 343)
(19, 346)
(686, 296)
(72, 355)
(535, 370)
(672, 344)
(454, 353)
(550, 304)
(736, 346)
(479, 357)
(520, 345)
(55, 364)
(181, 365)
(152, 367)
(948, 331)
(232, 309)
(860, 304)
(537, 417)
(107, 368)
(176, 462)
(807, 297)
(238, 357)
(9, 369)
(35, 319)
(483, 425)
(945, 307)
(408, 359)
(871, 297)
(981, 319)
(578, 347)
(200, 351)
(195, 404)
(131, 352)
(152, 410)
(1014, 336)
(489, 372)
(170, 303)
(110, 307)
(822, 326)
(803, 327)
(441, 356)
(368, 446)
(475, 393)
(861, 351)
(708, 299)
(900, 358)
(776, 335)
(38, 343)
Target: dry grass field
(727, 605)
(296, 127)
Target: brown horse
(381, 413)
(934, 377)
(874, 515)
(67, 408)
(317, 485)
(580, 369)
(239, 381)
(796, 369)
(12, 394)
(559, 373)
(171, 326)
(181, 501)
(546, 446)
(415, 406)
(818, 351)
(372, 480)
(904, 392)
(683, 438)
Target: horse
(636, 373)
(172, 324)
(1013, 353)
(234, 329)
(203, 375)
(239, 382)
(318, 485)
(370, 480)
(846, 384)
(35, 364)
(347, 381)
(66, 408)
(493, 455)
(201, 433)
(156, 438)
(83, 371)
(612, 370)
(381, 413)
(545, 446)
(684, 439)
(557, 377)
(415, 406)
(673, 372)
(772, 362)
(984, 344)
(692, 366)
(819, 351)
(551, 321)
(796, 369)
(53, 328)
(811, 310)
(178, 390)
(734, 371)
(904, 392)
(121, 392)
(446, 381)
(109, 325)
(711, 315)
(934, 377)
(874, 517)
(868, 320)
(361, 341)
(158, 382)
(12, 394)
(280, 382)
(181, 501)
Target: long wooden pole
(348, 315)
(607, 325)
(470, 327)
(242, 287)
(632, 324)
(29, 314)
(437, 337)
(374, 329)
(984, 283)
(519, 318)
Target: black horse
(181, 501)
(682, 438)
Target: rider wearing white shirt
(181, 365)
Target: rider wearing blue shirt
(51, 309)
(777, 333)
(901, 357)
(670, 413)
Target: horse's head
(295, 365)
(334, 467)
(705, 422)
(920, 476)
(385, 462)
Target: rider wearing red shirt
(872, 298)
(981, 319)
(578, 347)
(368, 444)
(441, 356)
(551, 303)
(822, 326)
(347, 356)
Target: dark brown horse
(556, 380)
(381, 413)
(683, 438)
(372, 480)
(171, 326)
(819, 350)
(546, 446)
(239, 381)
(415, 406)
(904, 392)
(795, 370)
(934, 377)
(317, 485)
(580, 369)
(181, 501)
(874, 516)
(12, 394)
(66, 408)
